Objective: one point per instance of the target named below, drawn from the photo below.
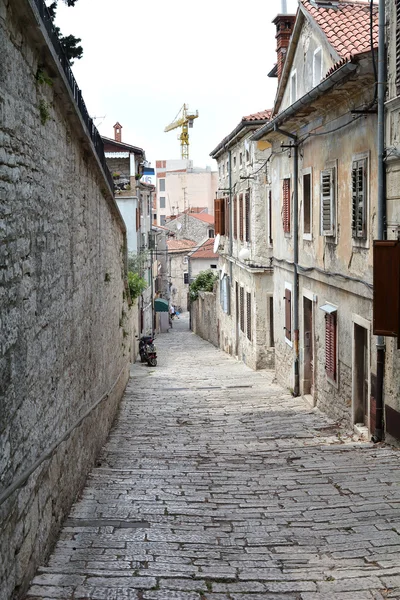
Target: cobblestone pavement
(215, 484)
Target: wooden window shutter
(137, 219)
(330, 345)
(235, 229)
(359, 199)
(286, 205)
(288, 314)
(222, 205)
(219, 216)
(241, 217)
(386, 303)
(247, 216)
(327, 202)
(242, 308)
(249, 315)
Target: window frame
(241, 309)
(286, 206)
(293, 79)
(249, 329)
(288, 313)
(308, 172)
(361, 241)
(317, 78)
(161, 181)
(247, 217)
(165, 201)
(331, 320)
(329, 234)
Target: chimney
(117, 132)
(284, 29)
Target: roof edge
(226, 142)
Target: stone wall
(204, 317)
(66, 327)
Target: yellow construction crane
(184, 120)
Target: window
(154, 216)
(328, 202)
(241, 217)
(162, 201)
(270, 239)
(307, 206)
(247, 155)
(331, 345)
(359, 199)
(288, 313)
(234, 163)
(185, 259)
(397, 47)
(248, 306)
(225, 294)
(271, 322)
(247, 216)
(241, 159)
(162, 219)
(186, 278)
(227, 167)
(293, 87)
(161, 185)
(213, 266)
(286, 205)
(242, 308)
(211, 233)
(317, 66)
(219, 216)
(235, 228)
(227, 224)
(223, 170)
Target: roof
(247, 123)
(180, 245)
(206, 250)
(121, 145)
(347, 27)
(203, 217)
(259, 116)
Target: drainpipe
(152, 242)
(295, 147)
(230, 220)
(380, 341)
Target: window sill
(362, 244)
(332, 382)
(307, 237)
(289, 342)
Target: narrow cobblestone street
(215, 484)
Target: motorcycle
(147, 351)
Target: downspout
(230, 221)
(380, 341)
(295, 147)
(152, 243)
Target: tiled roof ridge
(258, 116)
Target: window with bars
(235, 228)
(286, 205)
(288, 314)
(241, 217)
(327, 198)
(248, 306)
(242, 308)
(331, 345)
(359, 199)
(247, 216)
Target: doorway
(360, 375)
(308, 343)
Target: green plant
(203, 282)
(138, 262)
(136, 284)
(42, 76)
(44, 112)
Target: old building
(324, 190)
(203, 258)
(196, 226)
(244, 229)
(178, 271)
(181, 186)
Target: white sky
(143, 60)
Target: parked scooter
(147, 350)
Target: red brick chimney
(284, 28)
(117, 132)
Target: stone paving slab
(215, 484)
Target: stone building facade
(242, 222)
(324, 192)
(65, 330)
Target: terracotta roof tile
(180, 245)
(206, 250)
(259, 116)
(347, 28)
(203, 217)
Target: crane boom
(184, 121)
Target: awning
(328, 308)
(160, 305)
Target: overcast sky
(143, 60)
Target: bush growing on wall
(203, 282)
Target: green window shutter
(359, 199)
(328, 202)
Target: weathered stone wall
(65, 325)
(191, 228)
(204, 317)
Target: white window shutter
(328, 202)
